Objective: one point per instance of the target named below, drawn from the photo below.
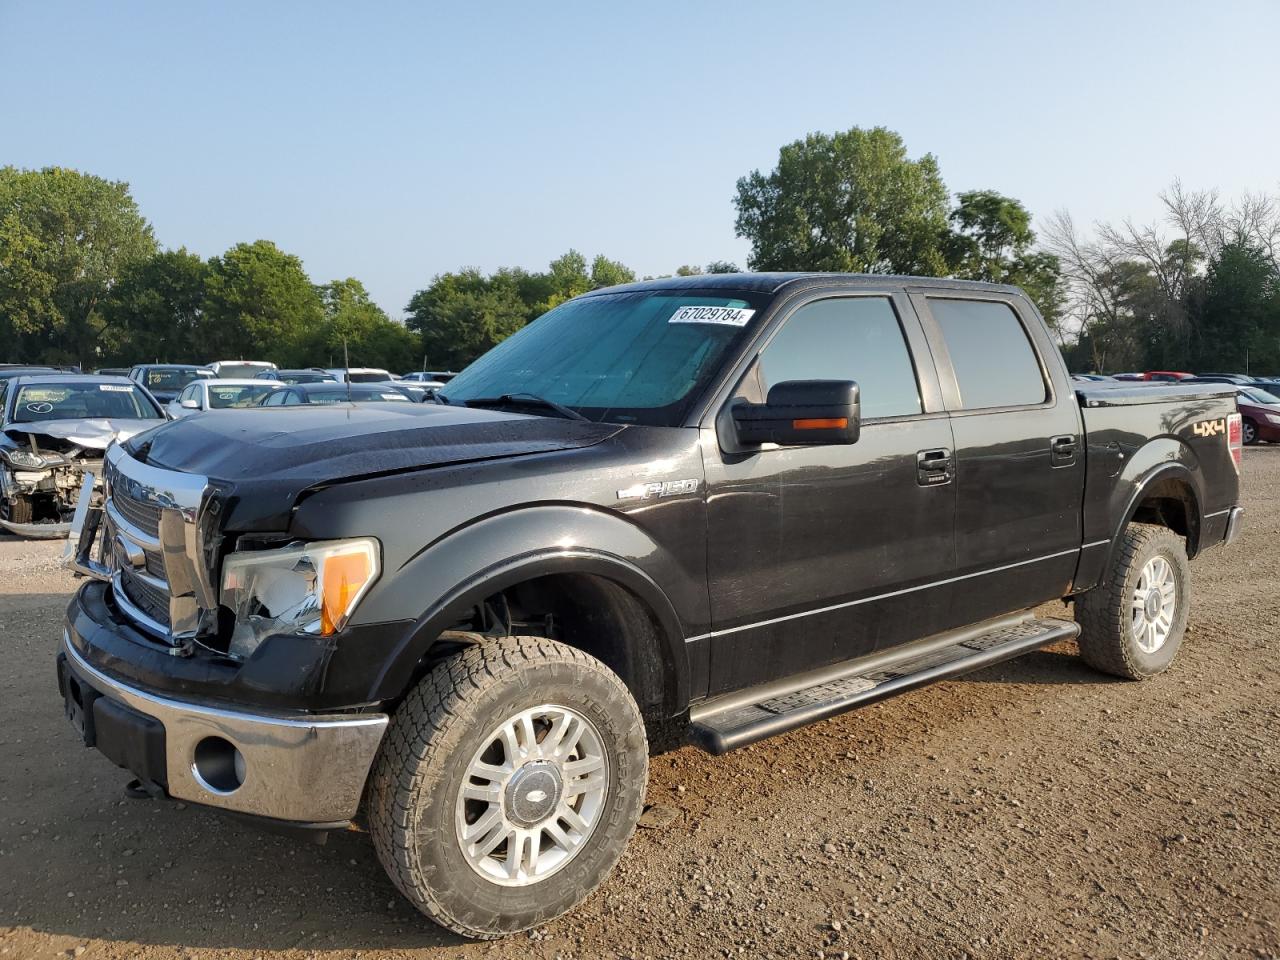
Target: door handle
(933, 467)
(1062, 449)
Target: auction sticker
(726, 316)
(115, 388)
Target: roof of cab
(774, 282)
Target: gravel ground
(1033, 809)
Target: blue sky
(393, 141)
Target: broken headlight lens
(306, 588)
(25, 460)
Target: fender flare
(499, 572)
(1167, 471)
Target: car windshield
(241, 371)
(641, 357)
(175, 378)
(292, 378)
(79, 401)
(359, 394)
(369, 376)
(236, 396)
(1260, 396)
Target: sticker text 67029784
(728, 316)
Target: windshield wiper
(526, 400)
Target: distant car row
(55, 426)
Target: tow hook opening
(137, 789)
(218, 766)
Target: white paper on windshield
(115, 388)
(725, 316)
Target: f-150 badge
(658, 488)
(1210, 428)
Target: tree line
(83, 279)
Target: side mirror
(801, 412)
(191, 404)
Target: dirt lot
(1032, 809)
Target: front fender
(444, 581)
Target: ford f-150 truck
(693, 510)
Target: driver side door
(818, 554)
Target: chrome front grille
(151, 600)
(144, 516)
(153, 526)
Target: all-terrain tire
(1106, 614)
(434, 738)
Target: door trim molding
(882, 596)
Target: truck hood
(95, 433)
(265, 458)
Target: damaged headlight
(309, 588)
(25, 460)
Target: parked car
(431, 376)
(298, 376)
(328, 394)
(360, 374)
(1092, 377)
(11, 370)
(240, 369)
(165, 381)
(419, 391)
(1218, 378)
(1166, 376)
(112, 372)
(696, 510)
(1126, 376)
(1261, 412)
(54, 428)
(220, 394)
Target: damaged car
(53, 429)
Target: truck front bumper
(304, 768)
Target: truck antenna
(346, 371)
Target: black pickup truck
(694, 510)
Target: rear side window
(994, 363)
(856, 338)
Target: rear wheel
(1249, 432)
(508, 785)
(1132, 623)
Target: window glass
(856, 338)
(82, 399)
(994, 363)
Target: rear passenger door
(1018, 446)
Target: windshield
(369, 376)
(242, 371)
(237, 396)
(1260, 396)
(359, 394)
(292, 378)
(171, 379)
(80, 401)
(624, 357)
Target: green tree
(154, 310)
(355, 327)
(259, 304)
(992, 240)
(461, 315)
(1236, 312)
(65, 236)
(722, 266)
(853, 201)
(609, 273)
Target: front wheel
(1133, 621)
(508, 785)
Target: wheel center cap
(1152, 605)
(533, 793)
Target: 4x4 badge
(1210, 428)
(658, 488)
